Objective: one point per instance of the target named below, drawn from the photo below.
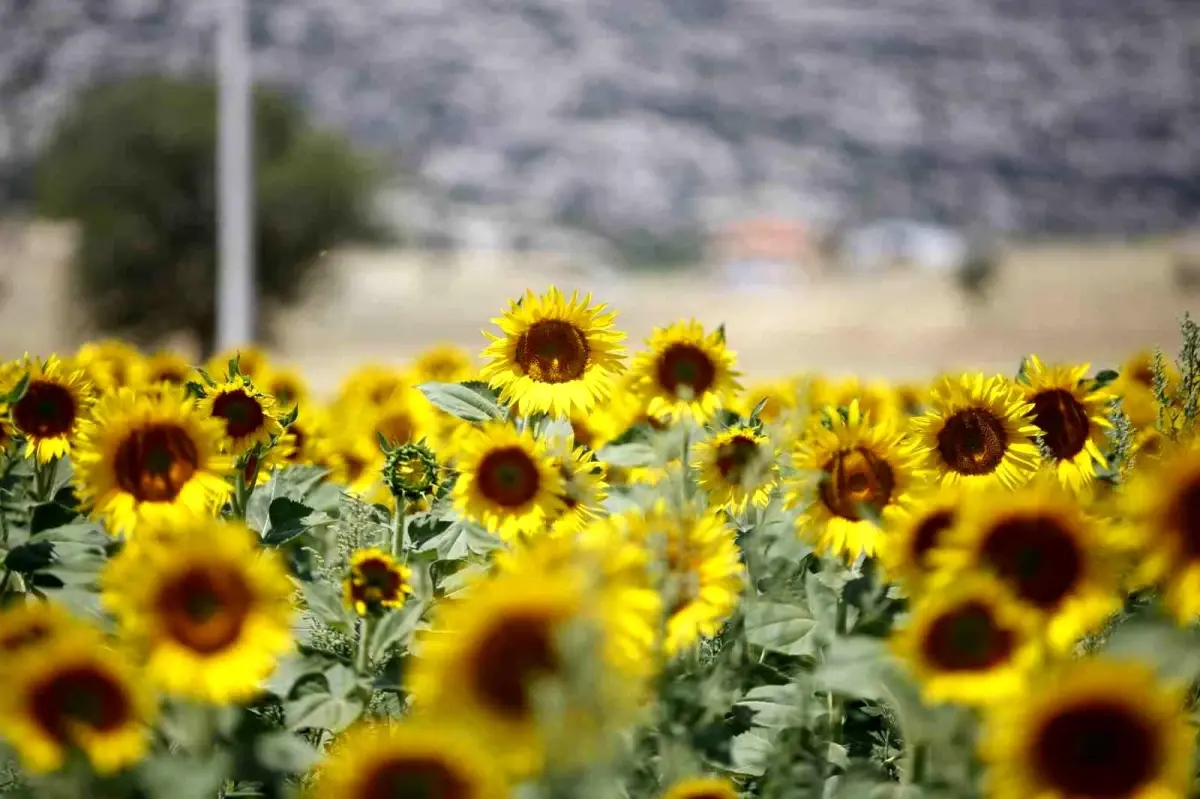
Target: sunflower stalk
(397, 542)
(362, 654)
(43, 480)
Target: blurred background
(879, 187)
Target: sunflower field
(561, 570)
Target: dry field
(1094, 302)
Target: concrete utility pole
(235, 175)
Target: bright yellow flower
(686, 372)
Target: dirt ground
(1078, 302)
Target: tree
(134, 164)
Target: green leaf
(16, 392)
(777, 707)
(286, 752)
(853, 667)
(292, 668)
(1173, 651)
(178, 776)
(286, 521)
(322, 712)
(822, 600)
(762, 403)
(781, 628)
(462, 401)
(342, 680)
(751, 752)
(460, 539)
(325, 603)
(1104, 377)
(394, 630)
(48, 516)
(721, 332)
(629, 455)
(30, 557)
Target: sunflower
(699, 569)
(1050, 553)
(618, 569)
(56, 400)
(584, 485)
(1091, 728)
(443, 363)
(371, 383)
(737, 467)
(492, 659)
(149, 459)
(507, 482)
(1162, 502)
(287, 386)
(912, 532)
(354, 459)
(778, 398)
(702, 788)
(111, 364)
(556, 355)
(309, 436)
(72, 693)
(685, 372)
(978, 431)
(1072, 419)
(210, 608)
(248, 415)
(412, 472)
(168, 367)
(376, 581)
(26, 626)
(406, 416)
(970, 642)
(411, 758)
(876, 399)
(1135, 386)
(853, 472)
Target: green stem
(918, 762)
(43, 479)
(364, 640)
(397, 543)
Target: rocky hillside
(627, 115)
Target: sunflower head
(287, 386)
(412, 758)
(978, 431)
(248, 415)
(406, 416)
(1046, 549)
(1135, 386)
(74, 693)
(585, 486)
(555, 355)
(210, 607)
(27, 626)
(853, 473)
(495, 657)
(1094, 728)
(56, 400)
(376, 581)
(970, 642)
(412, 472)
(702, 788)
(913, 532)
(737, 467)
(111, 364)
(168, 367)
(1071, 417)
(507, 482)
(251, 363)
(686, 372)
(443, 363)
(149, 458)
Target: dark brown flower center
(299, 438)
(968, 638)
(285, 392)
(355, 467)
(1036, 556)
(1185, 513)
(414, 777)
(972, 442)
(1100, 749)
(45, 411)
(375, 581)
(584, 435)
(80, 695)
(553, 351)
(735, 456)
(1063, 421)
(516, 651)
(155, 462)
(856, 480)
(205, 609)
(685, 369)
(168, 374)
(508, 477)
(1143, 375)
(242, 413)
(927, 533)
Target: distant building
(763, 252)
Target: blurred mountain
(627, 115)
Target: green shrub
(134, 164)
